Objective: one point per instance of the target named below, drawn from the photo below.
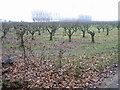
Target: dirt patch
(111, 81)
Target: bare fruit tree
(108, 28)
(21, 29)
(51, 28)
(70, 28)
(84, 28)
(92, 33)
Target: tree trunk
(4, 35)
(93, 40)
(107, 32)
(69, 38)
(60, 59)
(32, 36)
(83, 33)
(22, 41)
(51, 36)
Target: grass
(18, 46)
(80, 50)
(80, 46)
(10, 45)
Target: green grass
(81, 51)
(18, 46)
(10, 45)
(65, 36)
(81, 46)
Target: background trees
(41, 16)
(51, 27)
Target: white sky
(18, 10)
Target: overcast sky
(18, 10)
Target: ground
(112, 80)
(83, 64)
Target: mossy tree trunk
(69, 31)
(92, 33)
(83, 33)
(107, 32)
(69, 38)
(51, 36)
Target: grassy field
(81, 51)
